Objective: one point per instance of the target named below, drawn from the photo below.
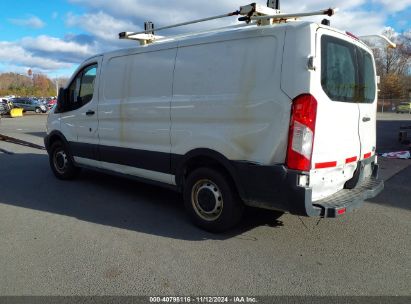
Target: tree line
(394, 66)
(38, 85)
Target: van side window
(80, 91)
(368, 77)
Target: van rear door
(337, 145)
(367, 103)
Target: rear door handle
(90, 112)
(365, 119)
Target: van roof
(215, 32)
(223, 31)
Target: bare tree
(393, 61)
(394, 65)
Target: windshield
(347, 71)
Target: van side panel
(134, 110)
(227, 98)
(299, 46)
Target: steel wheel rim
(60, 161)
(206, 188)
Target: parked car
(276, 116)
(29, 105)
(4, 108)
(42, 101)
(51, 103)
(404, 107)
(8, 97)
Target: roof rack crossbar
(329, 12)
(198, 32)
(186, 23)
(263, 15)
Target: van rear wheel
(212, 200)
(61, 162)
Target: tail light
(301, 132)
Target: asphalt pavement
(104, 235)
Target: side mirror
(61, 100)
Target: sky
(54, 36)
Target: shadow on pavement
(387, 135)
(397, 191)
(27, 181)
(37, 134)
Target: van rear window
(347, 73)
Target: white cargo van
(279, 116)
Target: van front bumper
(277, 188)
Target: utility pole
(57, 86)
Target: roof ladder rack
(390, 44)
(262, 15)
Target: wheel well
(209, 162)
(54, 138)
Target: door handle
(90, 112)
(365, 119)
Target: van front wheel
(61, 162)
(212, 200)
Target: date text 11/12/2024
(203, 299)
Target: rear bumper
(277, 188)
(347, 200)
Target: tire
(212, 201)
(37, 110)
(61, 162)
